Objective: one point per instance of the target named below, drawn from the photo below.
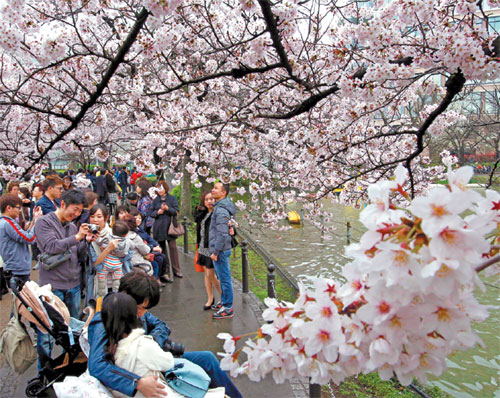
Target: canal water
(306, 255)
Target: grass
(481, 179)
(370, 385)
(257, 275)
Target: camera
(176, 349)
(93, 228)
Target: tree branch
(272, 28)
(489, 262)
(454, 85)
(113, 66)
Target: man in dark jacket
(100, 186)
(123, 181)
(53, 188)
(220, 247)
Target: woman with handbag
(202, 216)
(164, 212)
(132, 350)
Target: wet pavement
(181, 307)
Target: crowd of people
(91, 232)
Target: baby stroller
(48, 313)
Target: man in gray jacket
(14, 241)
(56, 234)
(220, 247)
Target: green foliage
(195, 195)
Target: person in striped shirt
(113, 263)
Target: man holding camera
(56, 235)
(146, 292)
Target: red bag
(198, 267)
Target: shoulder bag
(188, 379)
(16, 345)
(175, 229)
(51, 261)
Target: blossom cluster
(407, 302)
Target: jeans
(208, 361)
(72, 298)
(224, 275)
(45, 342)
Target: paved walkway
(181, 307)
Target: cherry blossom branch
(492, 178)
(272, 27)
(454, 85)
(236, 73)
(115, 63)
(489, 262)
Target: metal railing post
(244, 265)
(271, 281)
(186, 238)
(302, 216)
(348, 232)
(314, 390)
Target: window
(494, 24)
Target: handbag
(175, 229)
(16, 345)
(188, 379)
(197, 266)
(51, 261)
(146, 267)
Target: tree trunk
(185, 208)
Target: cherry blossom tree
(299, 98)
(407, 302)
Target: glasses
(17, 207)
(59, 188)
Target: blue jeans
(208, 361)
(224, 275)
(72, 298)
(45, 342)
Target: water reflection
(307, 255)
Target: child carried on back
(113, 263)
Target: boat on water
(293, 217)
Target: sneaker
(223, 313)
(216, 307)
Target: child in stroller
(49, 314)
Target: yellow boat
(293, 217)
